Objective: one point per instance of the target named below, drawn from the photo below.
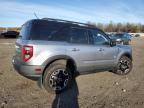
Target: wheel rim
(124, 66)
(59, 79)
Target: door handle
(75, 49)
(100, 49)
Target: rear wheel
(57, 77)
(124, 66)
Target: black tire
(57, 77)
(124, 66)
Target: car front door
(104, 55)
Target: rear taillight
(27, 52)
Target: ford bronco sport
(52, 51)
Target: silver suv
(52, 51)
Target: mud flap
(40, 82)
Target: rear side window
(60, 35)
(79, 36)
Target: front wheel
(124, 66)
(57, 77)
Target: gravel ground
(98, 90)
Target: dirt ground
(98, 90)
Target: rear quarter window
(25, 31)
(44, 30)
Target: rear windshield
(42, 30)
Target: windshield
(119, 35)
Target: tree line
(110, 27)
(119, 27)
(10, 28)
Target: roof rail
(65, 21)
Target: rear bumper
(28, 71)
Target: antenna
(36, 15)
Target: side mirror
(113, 43)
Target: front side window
(79, 36)
(99, 38)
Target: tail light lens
(27, 52)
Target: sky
(14, 13)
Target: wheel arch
(127, 55)
(70, 62)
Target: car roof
(64, 22)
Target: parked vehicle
(10, 34)
(122, 38)
(137, 35)
(1, 34)
(52, 51)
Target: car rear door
(80, 50)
